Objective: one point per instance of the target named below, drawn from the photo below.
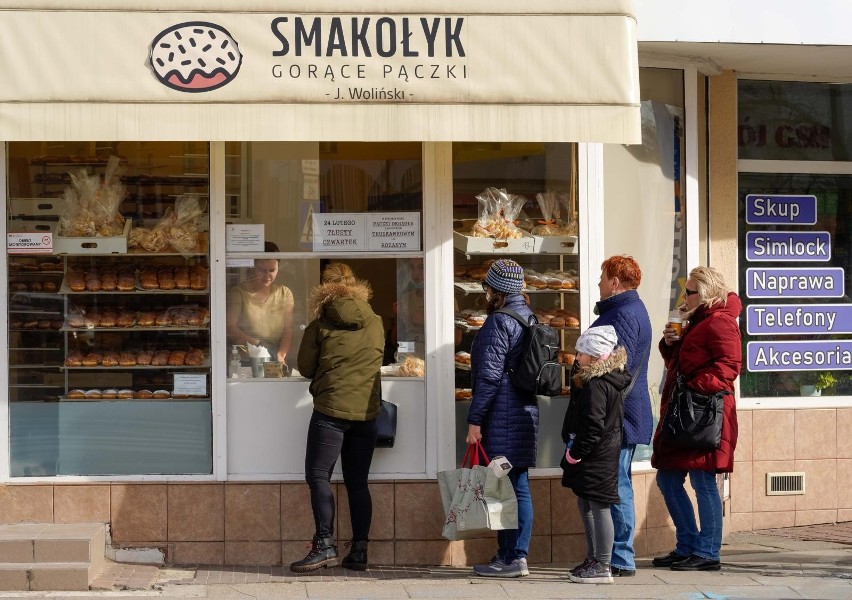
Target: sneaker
(586, 562)
(594, 573)
(619, 572)
(498, 568)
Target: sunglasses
(688, 292)
(484, 287)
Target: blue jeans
(515, 543)
(706, 542)
(623, 514)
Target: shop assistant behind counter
(260, 311)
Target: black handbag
(386, 425)
(693, 421)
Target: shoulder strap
(517, 317)
(645, 358)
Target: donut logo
(195, 57)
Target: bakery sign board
(585, 57)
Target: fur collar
(328, 292)
(617, 361)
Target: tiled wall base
(270, 523)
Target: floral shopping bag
(475, 499)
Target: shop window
(313, 203)
(517, 201)
(794, 284)
(790, 120)
(109, 308)
(794, 239)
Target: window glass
(790, 120)
(109, 308)
(305, 205)
(281, 185)
(515, 190)
(794, 282)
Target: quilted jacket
(627, 313)
(508, 417)
(708, 355)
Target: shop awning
(543, 70)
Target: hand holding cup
(674, 328)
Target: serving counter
(268, 426)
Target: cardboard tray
(556, 244)
(92, 245)
(480, 245)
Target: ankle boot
(323, 554)
(357, 557)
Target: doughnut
(195, 57)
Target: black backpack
(538, 371)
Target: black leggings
(352, 441)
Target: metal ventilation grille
(785, 484)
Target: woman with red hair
(621, 307)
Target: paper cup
(676, 323)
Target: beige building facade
(638, 134)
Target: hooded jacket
(627, 313)
(508, 416)
(595, 414)
(708, 356)
(341, 352)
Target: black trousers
(354, 442)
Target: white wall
(746, 22)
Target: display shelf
(204, 365)
(476, 288)
(42, 344)
(135, 328)
(67, 291)
(169, 399)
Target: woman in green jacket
(341, 352)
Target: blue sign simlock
(788, 246)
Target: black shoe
(672, 558)
(696, 563)
(323, 554)
(357, 557)
(619, 572)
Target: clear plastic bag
(548, 202)
(498, 211)
(91, 204)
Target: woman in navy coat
(621, 307)
(504, 418)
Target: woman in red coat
(707, 355)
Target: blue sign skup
(799, 356)
(780, 209)
(788, 246)
(798, 319)
(788, 282)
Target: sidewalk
(805, 562)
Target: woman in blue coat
(621, 307)
(504, 418)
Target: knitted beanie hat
(505, 275)
(597, 341)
